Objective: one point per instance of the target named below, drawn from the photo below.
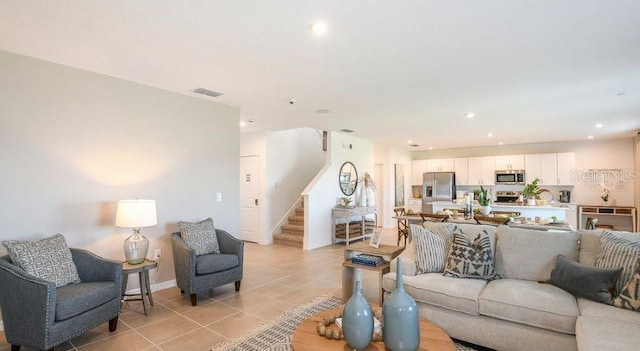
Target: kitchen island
(544, 212)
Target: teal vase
(401, 330)
(357, 320)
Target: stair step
(299, 211)
(296, 220)
(292, 229)
(288, 240)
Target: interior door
(249, 198)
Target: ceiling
(393, 71)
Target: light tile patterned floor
(276, 278)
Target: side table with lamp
(137, 214)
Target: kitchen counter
(525, 211)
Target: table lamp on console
(136, 214)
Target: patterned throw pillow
(629, 297)
(615, 252)
(200, 236)
(468, 259)
(431, 247)
(49, 259)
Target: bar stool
(403, 229)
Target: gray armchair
(37, 314)
(197, 273)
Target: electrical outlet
(157, 254)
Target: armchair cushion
(200, 236)
(74, 299)
(212, 263)
(49, 259)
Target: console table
(612, 217)
(339, 213)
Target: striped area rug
(276, 335)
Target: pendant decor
(357, 320)
(401, 329)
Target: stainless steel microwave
(510, 177)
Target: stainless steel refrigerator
(437, 186)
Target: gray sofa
(39, 315)
(520, 311)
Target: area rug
(276, 335)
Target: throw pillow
(200, 236)
(629, 297)
(49, 259)
(615, 252)
(590, 282)
(468, 259)
(431, 247)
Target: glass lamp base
(136, 247)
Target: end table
(143, 276)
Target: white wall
(323, 192)
(590, 154)
(73, 143)
(294, 157)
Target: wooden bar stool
(403, 229)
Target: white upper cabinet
(481, 170)
(509, 162)
(418, 168)
(566, 164)
(440, 165)
(461, 168)
(543, 167)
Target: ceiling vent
(347, 130)
(206, 92)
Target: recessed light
(319, 28)
(430, 147)
(243, 123)
(469, 115)
(599, 125)
(323, 111)
(414, 145)
(489, 135)
(500, 143)
(409, 141)
(590, 137)
(346, 130)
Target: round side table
(143, 276)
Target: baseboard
(154, 287)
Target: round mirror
(348, 178)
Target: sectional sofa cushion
(590, 243)
(616, 251)
(435, 289)
(598, 334)
(470, 259)
(593, 283)
(531, 303)
(49, 259)
(629, 297)
(200, 236)
(531, 254)
(431, 247)
(595, 309)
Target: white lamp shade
(136, 213)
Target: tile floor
(276, 278)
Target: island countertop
(546, 211)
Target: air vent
(414, 145)
(347, 130)
(206, 92)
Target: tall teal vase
(401, 330)
(357, 320)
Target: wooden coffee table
(306, 337)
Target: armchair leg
(15, 347)
(113, 324)
(238, 285)
(194, 299)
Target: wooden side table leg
(142, 292)
(347, 283)
(148, 287)
(125, 279)
(382, 272)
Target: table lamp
(136, 214)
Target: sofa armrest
(93, 268)
(230, 244)
(184, 261)
(28, 302)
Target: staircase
(292, 233)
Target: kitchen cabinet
(415, 205)
(481, 170)
(509, 162)
(418, 168)
(440, 165)
(566, 165)
(543, 167)
(460, 166)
